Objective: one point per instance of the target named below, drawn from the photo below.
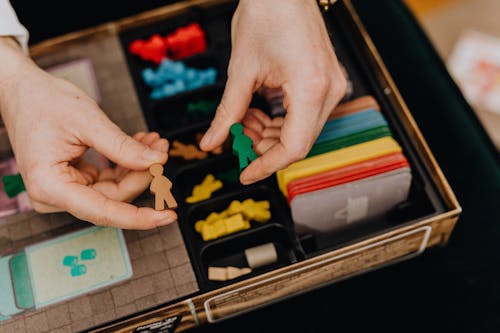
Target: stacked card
(355, 172)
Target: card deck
(337, 207)
(336, 159)
(346, 174)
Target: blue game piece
(173, 77)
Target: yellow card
(336, 159)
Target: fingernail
(166, 221)
(207, 138)
(164, 147)
(246, 181)
(153, 156)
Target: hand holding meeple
(51, 123)
(279, 44)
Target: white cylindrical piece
(261, 255)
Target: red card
(346, 174)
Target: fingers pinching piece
(242, 146)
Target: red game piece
(186, 41)
(153, 49)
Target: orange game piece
(187, 152)
(160, 187)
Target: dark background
(448, 289)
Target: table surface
(452, 288)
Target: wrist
(12, 57)
(14, 66)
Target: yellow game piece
(252, 210)
(257, 211)
(204, 190)
(235, 223)
(210, 219)
(216, 216)
(198, 226)
(336, 159)
(235, 218)
(213, 230)
(221, 227)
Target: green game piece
(88, 254)
(242, 146)
(13, 185)
(78, 270)
(203, 107)
(70, 261)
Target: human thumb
(113, 143)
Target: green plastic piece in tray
(203, 107)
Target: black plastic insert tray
(168, 117)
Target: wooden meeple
(161, 188)
(393, 243)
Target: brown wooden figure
(160, 187)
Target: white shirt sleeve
(10, 25)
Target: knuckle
(297, 152)
(235, 65)
(104, 219)
(121, 142)
(340, 87)
(222, 111)
(318, 85)
(320, 81)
